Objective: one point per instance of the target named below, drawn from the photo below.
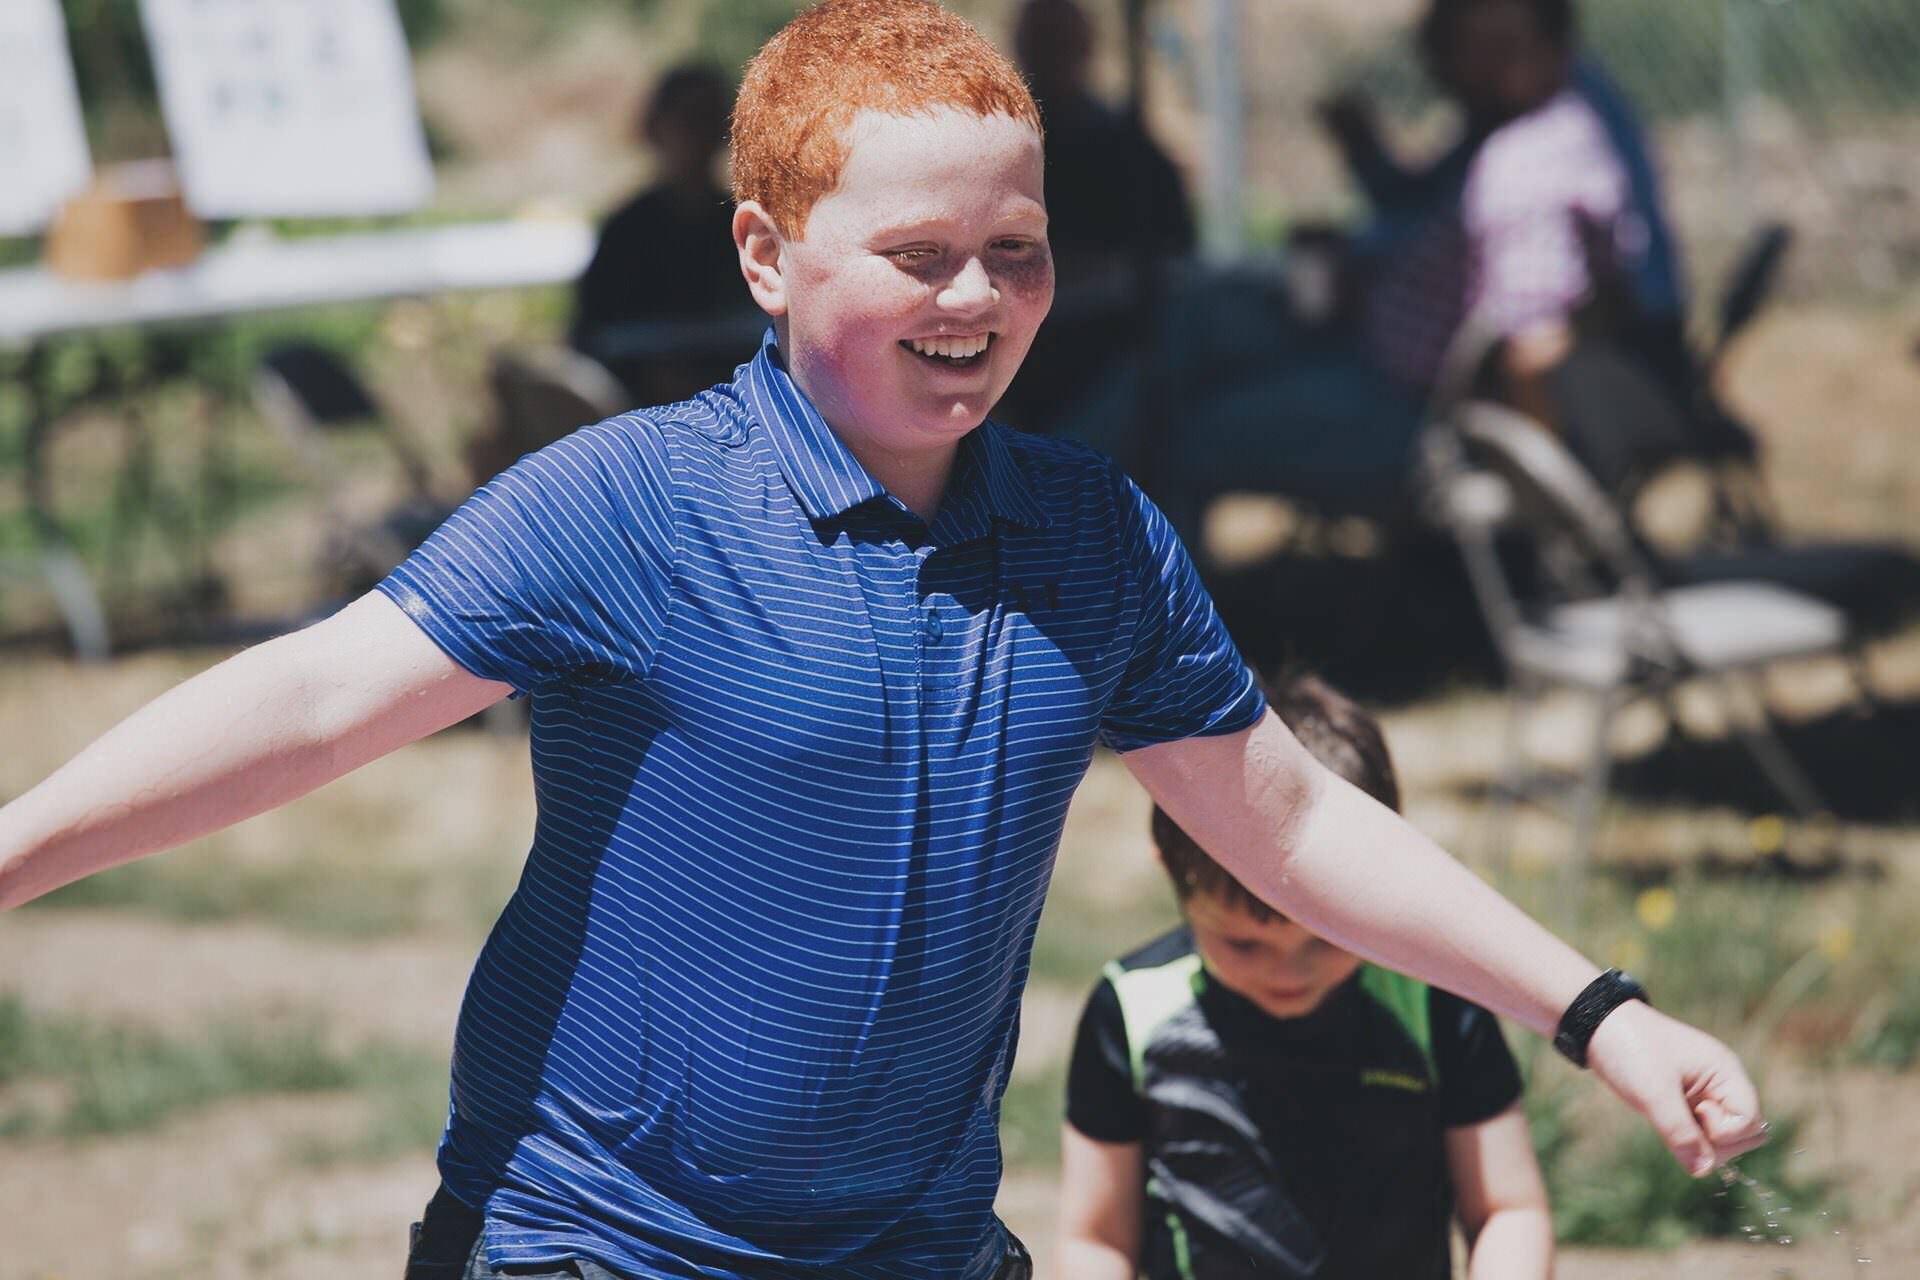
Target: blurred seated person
(1114, 201)
(1112, 193)
(1546, 207)
(667, 255)
(1322, 400)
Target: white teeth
(951, 348)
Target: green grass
(1030, 1118)
(109, 1079)
(407, 1096)
(1076, 939)
(305, 897)
(1716, 961)
(1747, 959)
(310, 895)
(1888, 1035)
(1624, 1190)
(1821, 972)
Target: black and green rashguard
(1285, 1147)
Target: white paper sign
(289, 108)
(43, 145)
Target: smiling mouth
(950, 352)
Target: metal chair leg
(1588, 797)
(74, 592)
(1513, 776)
(1750, 720)
(1866, 702)
(79, 604)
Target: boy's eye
(913, 255)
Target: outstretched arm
(1389, 183)
(1348, 118)
(263, 727)
(1356, 873)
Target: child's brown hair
(1337, 733)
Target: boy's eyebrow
(909, 226)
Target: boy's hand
(1688, 1085)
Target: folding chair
(541, 394)
(1636, 397)
(313, 400)
(1592, 615)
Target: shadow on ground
(1387, 628)
(1860, 760)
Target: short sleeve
(1101, 1100)
(557, 571)
(1478, 1076)
(1184, 678)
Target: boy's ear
(762, 252)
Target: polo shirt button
(933, 628)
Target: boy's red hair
(805, 86)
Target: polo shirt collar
(825, 476)
(829, 481)
(1009, 488)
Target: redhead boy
(816, 661)
(1247, 1099)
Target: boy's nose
(1297, 960)
(971, 289)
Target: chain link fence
(1801, 111)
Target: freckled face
(916, 290)
(1276, 964)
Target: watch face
(1625, 987)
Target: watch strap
(1589, 1009)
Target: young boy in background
(1247, 1099)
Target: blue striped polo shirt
(802, 763)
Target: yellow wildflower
(1656, 908)
(1836, 942)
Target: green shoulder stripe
(1176, 1231)
(1148, 997)
(1406, 999)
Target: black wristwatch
(1589, 1009)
